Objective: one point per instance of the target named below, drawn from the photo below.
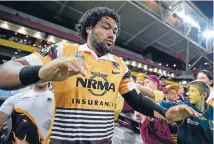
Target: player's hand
(62, 68)
(180, 112)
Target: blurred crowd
(23, 39)
(160, 131)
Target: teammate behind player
(31, 114)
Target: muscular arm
(9, 74)
(3, 117)
(146, 91)
(6, 108)
(144, 105)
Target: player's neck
(40, 90)
(92, 48)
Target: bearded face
(102, 37)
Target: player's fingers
(82, 62)
(81, 59)
(76, 67)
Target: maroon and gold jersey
(84, 106)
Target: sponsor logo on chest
(97, 84)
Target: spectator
(207, 77)
(154, 130)
(159, 131)
(139, 79)
(29, 42)
(163, 81)
(181, 97)
(171, 95)
(16, 39)
(152, 82)
(11, 38)
(170, 92)
(21, 41)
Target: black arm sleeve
(143, 104)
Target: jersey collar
(107, 57)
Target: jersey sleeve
(8, 105)
(127, 83)
(45, 55)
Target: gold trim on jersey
(17, 140)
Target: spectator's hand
(180, 112)
(62, 68)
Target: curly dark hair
(93, 16)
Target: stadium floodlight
(133, 63)
(160, 71)
(164, 73)
(51, 39)
(22, 30)
(173, 75)
(65, 41)
(5, 25)
(187, 19)
(127, 62)
(145, 67)
(38, 35)
(184, 82)
(150, 69)
(139, 65)
(208, 34)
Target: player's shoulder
(116, 58)
(22, 93)
(22, 96)
(70, 45)
(69, 48)
(119, 60)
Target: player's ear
(204, 95)
(89, 30)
